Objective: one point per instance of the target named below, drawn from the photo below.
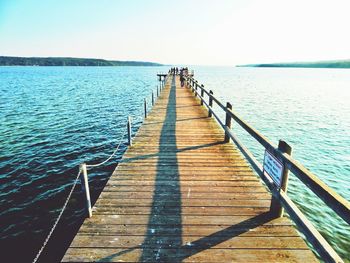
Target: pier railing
(82, 174)
(282, 154)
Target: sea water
(54, 118)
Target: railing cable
(71, 192)
(111, 156)
(69, 196)
(58, 218)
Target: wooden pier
(183, 193)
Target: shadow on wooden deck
(154, 245)
(163, 241)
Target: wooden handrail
(332, 199)
(311, 233)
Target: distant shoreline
(68, 61)
(317, 64)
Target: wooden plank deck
(182, 194)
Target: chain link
(110, 157)
(70, 194)
(58, 218)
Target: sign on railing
(273, 168)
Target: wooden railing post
(157, 92)
(210, 103)
(276, 207)
(202, 93)
(85, 188)
(152, 98)
(145, 107)
(129, 131)
(228, 121)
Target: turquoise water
(308, 108)
(53, 118)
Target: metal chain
(110, 157)
(70, 194)
(58, 218)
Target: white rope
(58, 219)
(110, 157)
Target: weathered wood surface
(182, 194)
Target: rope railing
(84, 167)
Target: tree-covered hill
(65, 61)
(317, 64)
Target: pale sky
(192, 32)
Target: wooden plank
(108, 241)
(201, 189)
(172, 220)
(185, 255)
(171, 202)
(161, 183)
(185, 210)
(188, 230)
(181, 194)
(187, 195)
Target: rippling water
(53, 118)
(308, 108)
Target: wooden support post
(152, 98)
(210, 103)
(129, 131)
(202, 93)
(228, 121)
(85, 188)
(157, 92)
(276, 207)
(145, 107)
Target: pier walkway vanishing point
(184, 192)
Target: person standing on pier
(182, 78)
